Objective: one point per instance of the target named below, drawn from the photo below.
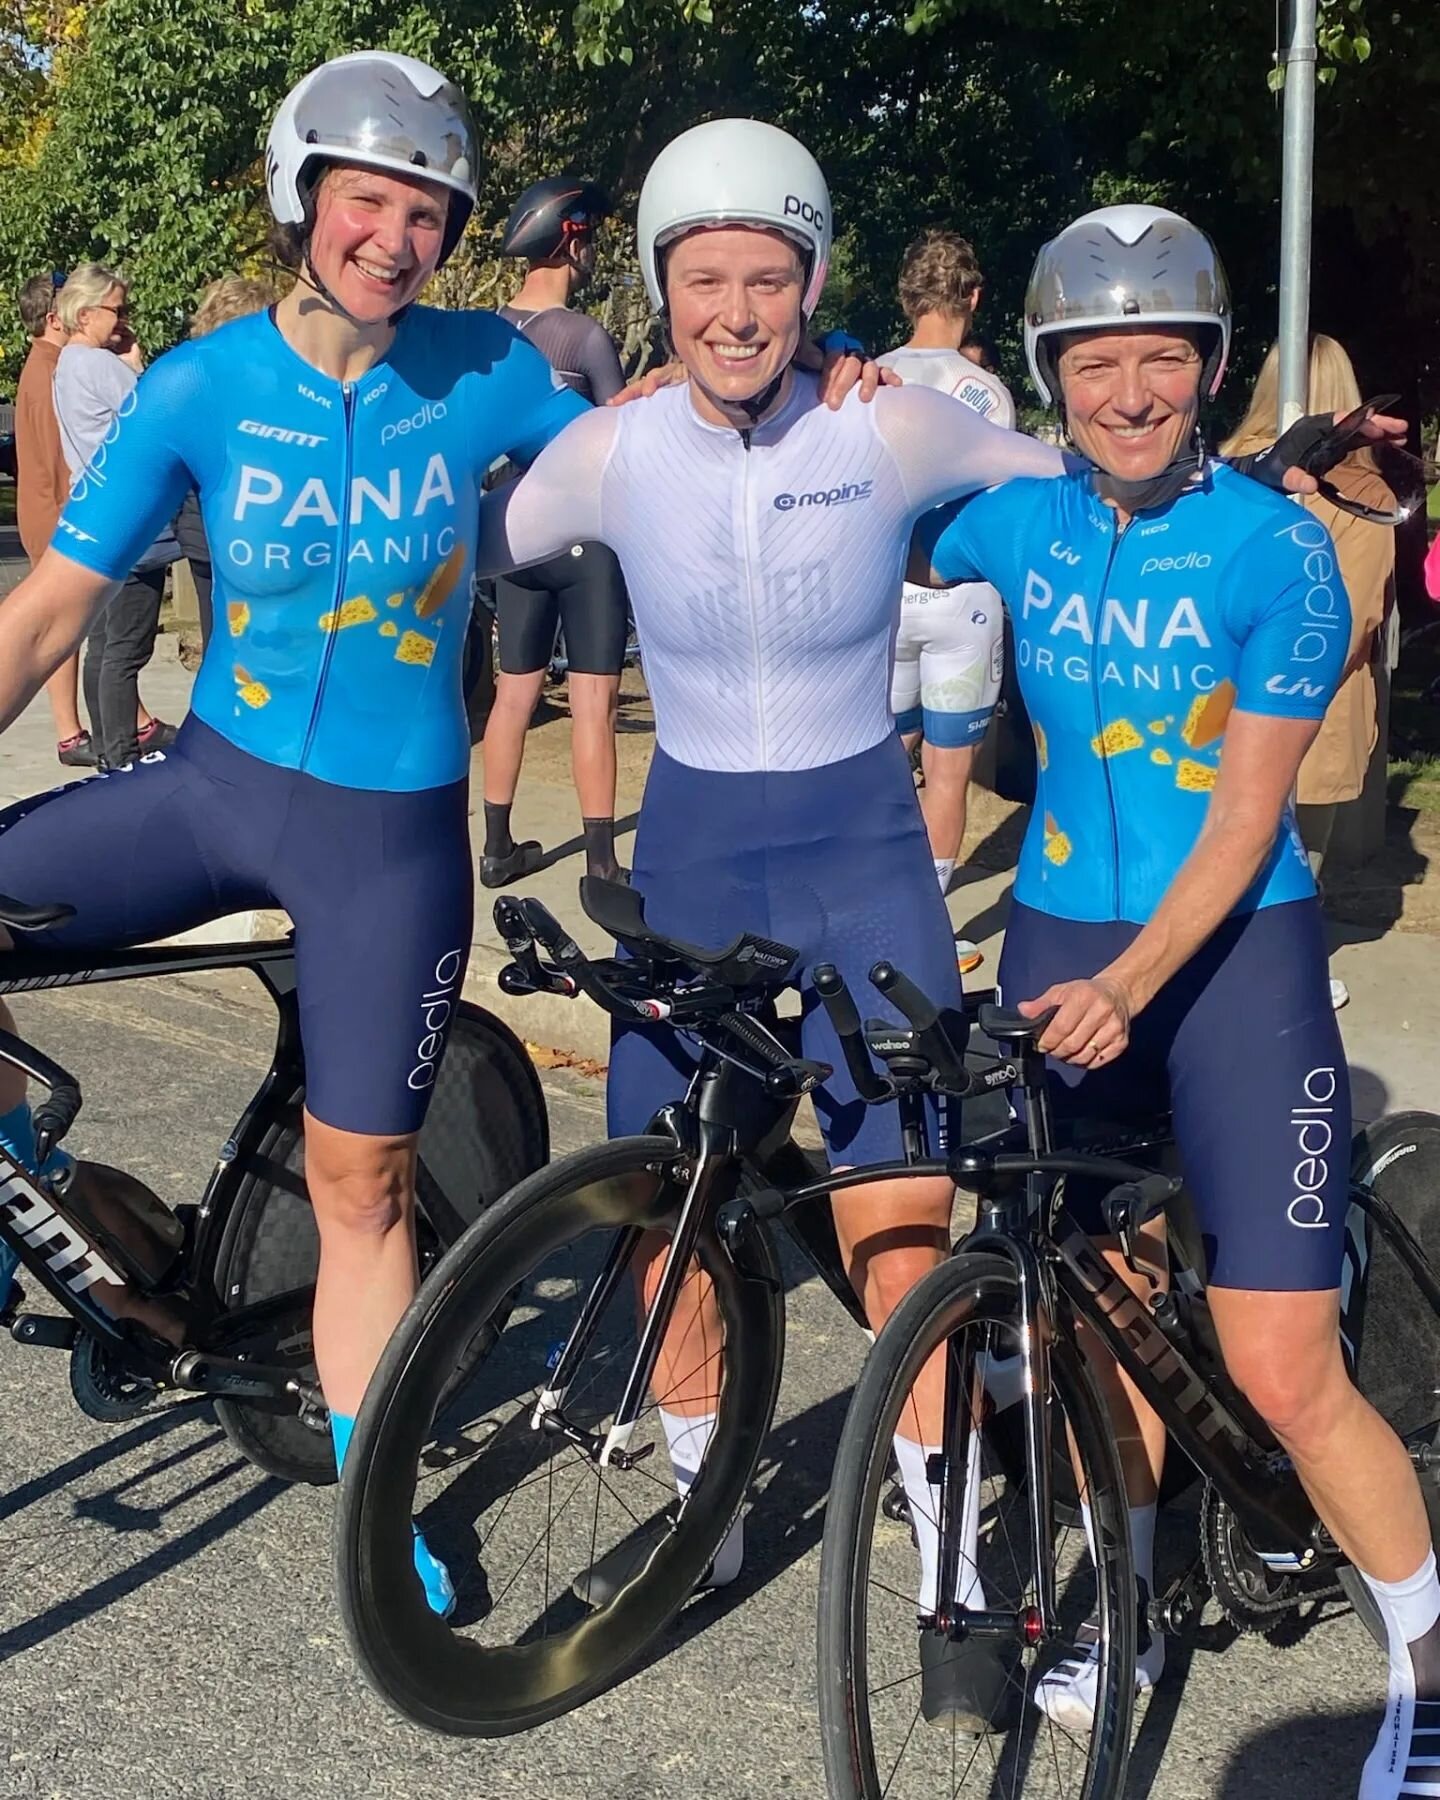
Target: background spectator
(1334, 770)
(231, 297)
(94, 376)
(43, 481)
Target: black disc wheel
(486, 1130)
(1388, 1324)
(875, 1706)
(504, 1471)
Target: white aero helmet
(372, 109)
(1126, 265)
(735, 172)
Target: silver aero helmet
(735, 172)
(1126, 265)
(372, 109)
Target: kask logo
(836, 496)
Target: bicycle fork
(709, 1163)
(965, 1390)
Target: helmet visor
(1175, 279)
(374, 117)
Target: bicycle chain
(1224, 1575)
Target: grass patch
(7, 502)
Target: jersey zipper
(752, 557)
(347, 402)
(1116, 533)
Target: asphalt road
(166, 1623)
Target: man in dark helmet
(553, 226)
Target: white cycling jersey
(950, 648)
(764, 567)
(957, 376)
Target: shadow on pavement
(573, 846)
(1301, 1759)
(112, 1511)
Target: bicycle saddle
(20, 917)
(747, 961)
(1004, 1025)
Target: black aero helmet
(548, 218)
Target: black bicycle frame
(59, 1250)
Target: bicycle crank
(1252, 1593)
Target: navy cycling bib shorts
(378, 886)
(1242, 1046)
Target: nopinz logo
(436, 1006)
(836, 496)
(36, 1222)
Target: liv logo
(36, 1221)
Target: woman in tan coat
(1334, 770)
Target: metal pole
(1295, 199)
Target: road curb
(575, 1028)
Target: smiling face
(734, 297)
(377, 238)
(1132, 397)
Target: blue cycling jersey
(1132, 648)
(342, 519)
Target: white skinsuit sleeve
(944, 451)
(554, 504)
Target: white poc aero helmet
(376, 110)
(735, 172)
(1126, 265)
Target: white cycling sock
(689, 1439)
(1406, 1757)
(944, 869)
(1067, 1692)
(923, 1498)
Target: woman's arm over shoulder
(555, 503)
(944, 451)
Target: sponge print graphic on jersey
(333, 511)
(1134, 649)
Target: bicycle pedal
(1176, 1612)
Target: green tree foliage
(133, 131)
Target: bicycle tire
(422, 1668)
(486, 1130)
(965, 1291)
(1390, 1327)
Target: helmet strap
(1155, 490)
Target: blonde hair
(1332, 388)
(231, 297)
(940, 273)
(85, 287)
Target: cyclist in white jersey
(949, 651)
(763, 539)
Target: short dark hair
(37, 302)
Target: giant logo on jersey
(265, 501)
